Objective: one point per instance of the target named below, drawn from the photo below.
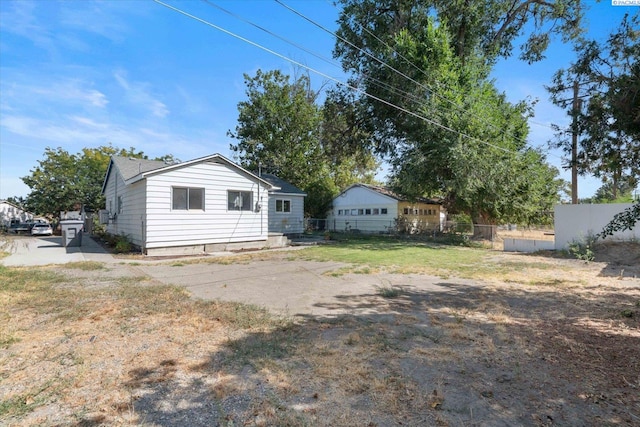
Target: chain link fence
(491, 234)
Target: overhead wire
(329, 61)
(347, 85)
(425, 86)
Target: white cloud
(138, 94)
(19, 18)
(18, 92)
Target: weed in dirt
(6, 339)
(132, 281)
(85, 265)
(388, 291)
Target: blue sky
(78, 74)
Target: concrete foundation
(275, 240)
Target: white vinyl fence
(575, 223)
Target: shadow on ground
(470, 356)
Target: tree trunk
(483, 228)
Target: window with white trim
(187, 198)
(239, 200)
(383, 211)
(283, 205)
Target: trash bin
(71, 232)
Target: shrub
(583, 249)
(122, 245)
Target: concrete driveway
(43, 250)
(291, 287)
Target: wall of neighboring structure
(577, 222)
(286, 222)
(419, 216)
(10, 212)
(215, 224)
(126, 206)
(362, 209)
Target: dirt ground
(543, 342)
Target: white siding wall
(169, 228)
(287, 223)
(130, 221)
(362, 198)
(9, 212)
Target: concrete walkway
(43, 250)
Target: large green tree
(62, 180)
(279, 127)
(607, 75)
(446, 128)
(283, 130)
(487, 28)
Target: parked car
(20, 227)
(41, 229)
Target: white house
(371, 208)
(286, 206)
(10, 212)
(203, 205)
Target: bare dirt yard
(478, 338)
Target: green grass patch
(370, 253)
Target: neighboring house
(203, 205)
(11, 213)
(370, 208)
(286, 206)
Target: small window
(119, 204)
(283, 206)
(406, 211)
(376, 211)
(429, 211)
(383, 211)
(360, 211)
(354, 212)
(339, 211)
(367, 211)
(346, 212)
(239, 200)
(185, 198)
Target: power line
(347, 85)
(425, 86)
(408, 95)
(321, 57)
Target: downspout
(260, 199)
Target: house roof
(385, 191)
(285, 187)
(130, 167)
(133, 169)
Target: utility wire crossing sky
(165, 77)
